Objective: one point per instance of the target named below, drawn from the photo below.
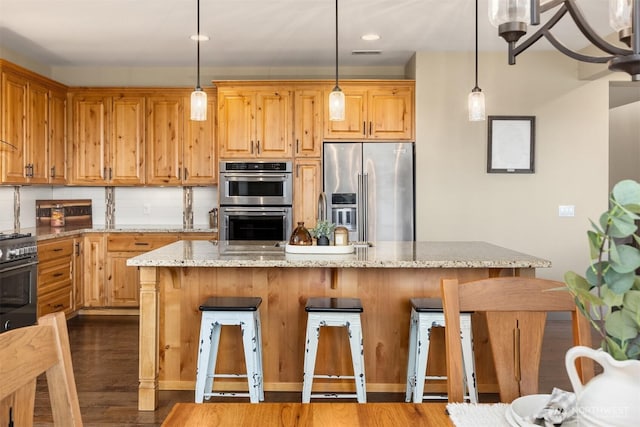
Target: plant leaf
(619, 282)
(626, 260)
(621, 326)
(595, 241)
(591, 275)
(627, 193)
(622, 227)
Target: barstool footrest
(225, 394)
(334, 396)
(335, 377)
(227, 376)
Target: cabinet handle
(53, 171)
(141, 244)
(370, 127)
(110, 174)
(297, 171)
(57, 249)
(258, 145)
(364, 127)
(179, 173)
(77, 248)
(58, 306)
(186, 174)
(104, 173)
(297, 146)
(31, 170)
(57, 275)
(26, 170)
(251, 147)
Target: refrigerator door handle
(360, 207)
(365, 204)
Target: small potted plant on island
(609, 296)
(322, 231)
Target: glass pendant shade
(620, 14)
(503, 11)
(199, 105)
(336, 104)
(476, 105)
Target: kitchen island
(177, 278)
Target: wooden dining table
(322, 414)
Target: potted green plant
(609, 296)
(322, 231)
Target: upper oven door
(256, 188)
(17, 294)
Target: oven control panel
(18, 247)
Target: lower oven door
(18, 305)
(255, 223)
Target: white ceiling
(251, 32)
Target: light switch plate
(566, 210)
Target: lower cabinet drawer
(60, 300)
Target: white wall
(624, 148)
(458, 200)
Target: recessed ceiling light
(202, 37)
(370, 37)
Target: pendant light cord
(476, 87)
(198, 47)
(336, 43)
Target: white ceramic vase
(611, 399)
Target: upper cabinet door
(126, 142)
(354, 125)
(37, 147)
(274, 125)
(57, 137)
(14, 129)
(165, 133)
(236, 129)
(308, 116)
(390, 113)
(90, 122)
(200, 148)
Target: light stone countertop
(191, 253)
(47, 233)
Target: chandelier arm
(575, 55)
(591, 35)
(526, 44)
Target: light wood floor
(105, 362)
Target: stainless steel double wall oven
(256, 200)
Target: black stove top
(9, 236)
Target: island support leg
(148, 340)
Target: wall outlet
(146, 209)
(566, 210)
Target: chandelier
(511, 18)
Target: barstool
(218, 312)
(425, 314)
(344, 312)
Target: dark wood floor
(105, 361)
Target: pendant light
(476, 97)
(336, 97)
(198, 96)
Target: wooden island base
(170, 324)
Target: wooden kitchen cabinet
(57, 137)
(122, 281)
(56, 276)
(382, 111)
(308, 122)
(199, 148)
(180, 151)
(30, 113)
(255, 121)
(108, 142)
(93, 272)
(307, 185)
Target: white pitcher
(611, 399)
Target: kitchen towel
(477, 415)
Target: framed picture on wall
(510, 146)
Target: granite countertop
(191, 253)
(46, 233)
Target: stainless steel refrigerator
(370, 189)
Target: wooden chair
(27, 352)
(516, 309)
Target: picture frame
(510, 144)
